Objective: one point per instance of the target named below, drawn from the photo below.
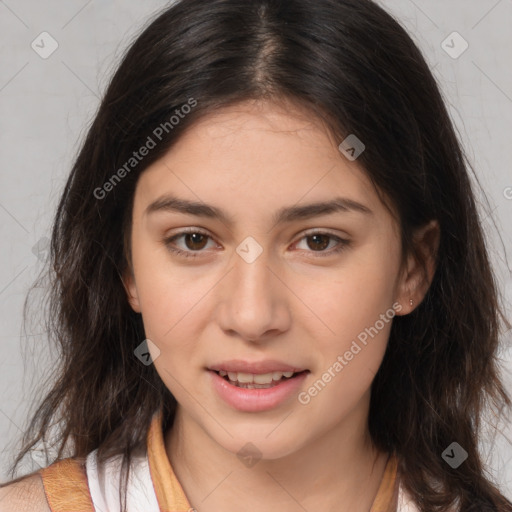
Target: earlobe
(416, 279)
(131, 290)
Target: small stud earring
(411, 302)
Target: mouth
(257, 381)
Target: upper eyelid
(308, 232)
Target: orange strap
(386, 499)
(169, 493)
(65, 486)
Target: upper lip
(256, 367)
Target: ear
(131, 289)
(416, 277)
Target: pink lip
(259, 367)
(256, 400)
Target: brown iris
(317, 242)
(198, 240)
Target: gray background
(46, 105)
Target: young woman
(270, 285)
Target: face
(251, 272)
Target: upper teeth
(265, 378)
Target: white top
(141, 497)
(405, 502)
(104, 484)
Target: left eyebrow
(284, 215)
(308, 211)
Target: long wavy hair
(356, 68)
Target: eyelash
(343, 243)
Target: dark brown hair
(355, 67)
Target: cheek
(170, 297)
(357, 307)
(173, 313)
(349, 361)
(361, 291)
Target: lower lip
(256, 400)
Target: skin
(290, 304)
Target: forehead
(259, 134)
(257, 155)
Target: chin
(249, 446)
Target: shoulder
(24, 495)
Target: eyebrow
(284, 215)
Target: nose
(254, 302)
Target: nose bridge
(251, 275)
(253, 302)
(252, 278)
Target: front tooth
(264, 378)
(249, 378)
(244, 378)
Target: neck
(340, 470)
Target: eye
(194, 239)
(319, 241)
